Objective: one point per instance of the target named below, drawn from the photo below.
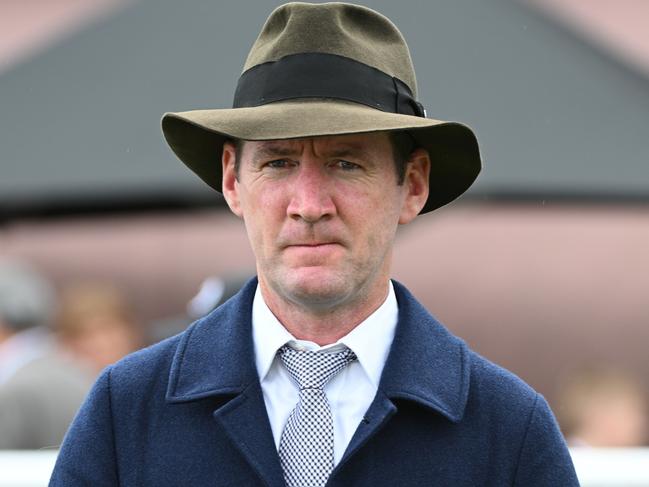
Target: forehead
(371, 144)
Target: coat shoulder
(150, 365)
(499, 385)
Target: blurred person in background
(96, 324)
(603, 407)
(26, 305)
(41, 386)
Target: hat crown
(343, 29)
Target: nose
(310, 194)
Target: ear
(230, 184)
(416, 185)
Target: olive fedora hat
(326, 69)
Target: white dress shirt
(349, 393)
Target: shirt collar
(370, 340)
(268, 334)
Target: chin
(317, 290)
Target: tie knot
(313, 369)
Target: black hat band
(322, 75)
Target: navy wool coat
(190, 411)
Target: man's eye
(347, 166)
(278, 164)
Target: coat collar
(215, 356)
(426, 364)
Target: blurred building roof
(619, 26)
(28, 27)
(555, 114)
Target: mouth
(313, 245)
(313, 254)
(313, 249)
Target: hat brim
(197, 137)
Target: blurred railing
(596, 467)
(612, 467)
(26, 468)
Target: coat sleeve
(87, 455)
(544, 457)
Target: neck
(323, 326)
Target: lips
(310, 240)
(319, 244)
(317, 250)
(313, 247)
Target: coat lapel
(426, 365)
(378, 414)
(245, 421)
(215, 358)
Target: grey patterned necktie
(306, 448)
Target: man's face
(321, 214)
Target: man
(321, 370)
(41, 386)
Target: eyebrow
(274, 149)
(271, 150)
(352, 150)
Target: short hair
(27, 298)
(238, 148)
(403, 145)
(81, 302)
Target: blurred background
(108, 243)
